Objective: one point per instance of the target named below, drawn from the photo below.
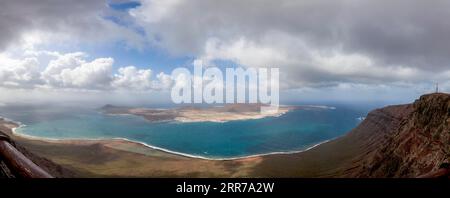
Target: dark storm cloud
(20, 16)
(414, 33)
(410, 33)
(83, 19)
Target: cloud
(94, 74)
(314, 42)
(64, 20)
(317, 44)
(75, 71)
(154, 11)
(131, 77)
(163, 82)
(18, 73)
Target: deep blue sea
(294, 131)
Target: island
(229, 112)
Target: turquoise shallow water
(293, 131)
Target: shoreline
(121, 157)
(81, 141)
(192, 115)
(284, 109)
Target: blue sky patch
(124, 6)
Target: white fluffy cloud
(132, 78)
(18, 73)
(163, 82)
(93, 74)
(74, 71)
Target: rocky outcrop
(404, 140)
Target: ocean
(294, 131)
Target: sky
(124, 51)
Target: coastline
(121, 157)
(124, 158)
(81, 141)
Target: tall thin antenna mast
(437, 87)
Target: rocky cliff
(396, 141)
(405, 140)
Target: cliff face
(396, 141)
(404, 140)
